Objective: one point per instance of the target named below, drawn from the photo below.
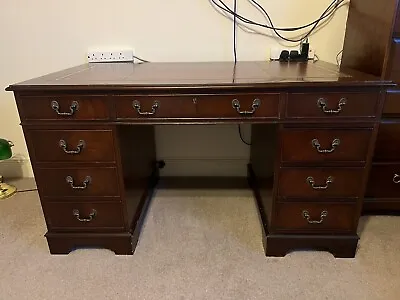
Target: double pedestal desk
(90, 136)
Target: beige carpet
(195, 245)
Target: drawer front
(392, 103)
(314, 217)
(238, 106)
(63, 107)
(84, 215)
(312, 145)
(73, 145)
(384, 181)
(77, 182)
(142, 107)
(387, 146)
(320, 182)
(332, 105)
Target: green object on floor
(6, 190)
(5, 149)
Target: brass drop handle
(236, 105)
(84, 185)
(137, 106)
(317, 145)
(63, 145)
(396, 178)
(311, 182)
(72, 109)
(77, 215)
(306, 215)
(323, 105)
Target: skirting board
(16, 168)
(217, 167)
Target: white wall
(42, 36)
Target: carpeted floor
(196, 244)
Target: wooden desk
(90, 136)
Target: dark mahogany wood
(340, 217)
(298, 146)
(341, 246)
(302, 105)
(388, 143)
(157, 106)
(98, 145)
(221, 106)
(121, 156)
(345, 182)
(371, 45)
(368, 35)
(384, 181)
(183, 77)
(40, 108)
(392, 103)
(63, 243)
(105, 216)
(52, 182)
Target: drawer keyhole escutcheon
(84, 185)
(396, 178)
(306, 215)
(137, 106)
(236, 105)
(77, 215)
(311, 182)
(322, 103)
(79, 147)
(72, 109)
(317, 145)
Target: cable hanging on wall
(329, 11)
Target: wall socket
(115, 55)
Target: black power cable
(234, 31)
(327, 13)
(241, 137)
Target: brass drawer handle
(77, 215)
(323, 105)
(311, 182)
(396, 178)
(136, 105)
(84, 185)
(79, 147)
(306, 215)
(236, 105)
(72, 109)
(317, 145)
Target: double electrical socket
(275, 52)
(113, 55)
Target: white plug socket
(115, 55)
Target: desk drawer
(238, 106)
(314, 217)
(63, 107)
(313, 145)
(332, 105)
(320, 182)
(142, 107)
(387, 146)
(392, 103)
(77, 182)
(384, 181)
(73, 145)
(81, 216)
